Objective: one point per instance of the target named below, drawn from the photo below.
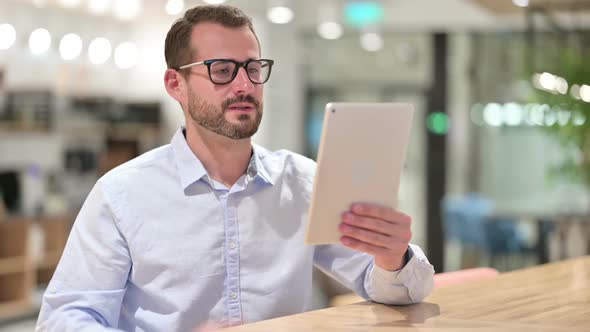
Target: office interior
(496, 174)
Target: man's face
(232, 110)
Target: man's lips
(245, 107)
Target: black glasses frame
(238, 64)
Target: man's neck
(225, 159)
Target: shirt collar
(192, 170)
(189, 166)
(258, 165)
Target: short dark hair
(177, 48)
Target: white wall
(284, 113)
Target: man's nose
(242, 84)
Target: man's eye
(222, 71)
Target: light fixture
(585, 93)
(363, 13)
(40, 3)
(579, 119)
(547, 81)
(330, 30)
(521, 3)
(7, 36)
(39, 41)
(536, 114)
(551, 83)
(98, 7)
(561, 85)
(70, 46)
(280, 14)
(174, 7)
(528, 113)
(371, 41)
(550, 118)
(542, 113)
(492, 114)
(127, 9)
(69, 3)
(563, 117)
(513, 114)
(214, 2)
(575, 91)
(99, 50)
(126, 55)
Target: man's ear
(175, 85)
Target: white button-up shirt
(160, 246)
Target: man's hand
(379, 231)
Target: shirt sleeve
(357, 271)
(411, 284)
(87, 288)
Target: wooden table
(552, 297)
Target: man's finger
(373, 224)
(365, 247)
(367, 236)
(381, 212)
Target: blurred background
(497, 172)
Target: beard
(213, 118)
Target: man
(210, 228)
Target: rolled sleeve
(411, 284)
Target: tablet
(360, 159)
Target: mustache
(241, 99)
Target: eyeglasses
(223, 71)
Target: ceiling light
(521, 3)
(513, 114)
(280, 15)
(39, 41)
(70, 46)
(492, 114)
(126, 55)
(174, 7)
(7, 36)
(561, 85)
(579, 119)
(547, 81)
(69, 3)
(575, 91)
(39, 3)
(371, 41)
(330, 30)
(99, 51)
(585, 93)
(363, 13)
(127, 9)
(99, 7)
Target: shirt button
(232, 245)
(234, 295)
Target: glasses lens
(222, 71)
(258, 71)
